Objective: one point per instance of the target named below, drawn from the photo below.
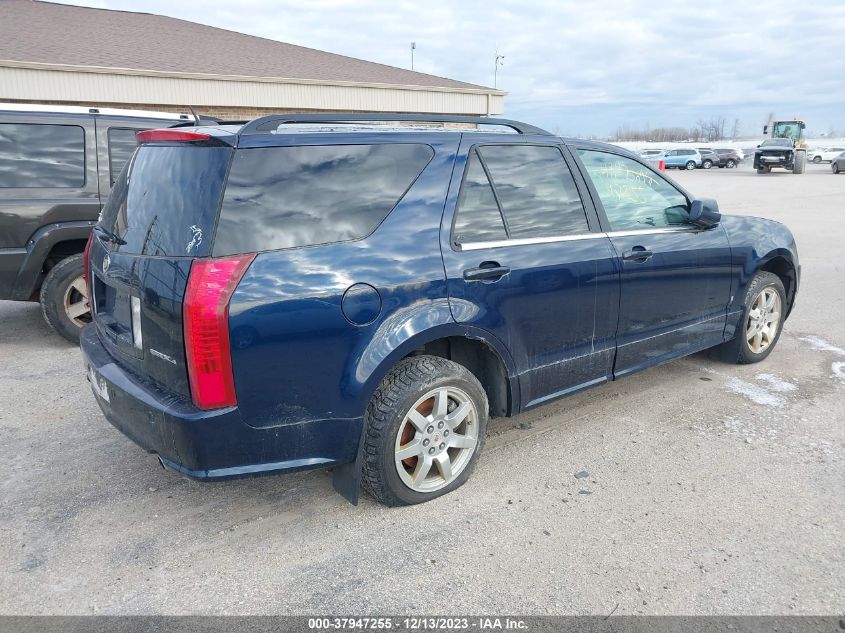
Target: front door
(676, 277)
(525, 260)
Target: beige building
(62, 54)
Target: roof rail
(273, 121)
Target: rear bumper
(212, 445)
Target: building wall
(147, 89)
(218, 112)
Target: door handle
(637, 254)
(490, 272)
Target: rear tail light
(86, 259)
(206, 322)
(152, 136)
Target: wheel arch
(474, 348)
(43, 248)
(778, 264)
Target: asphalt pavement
(693, 488)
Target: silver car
(837, 164)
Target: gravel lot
(712, 488)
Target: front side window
(535, 195)
(122, 143)
(40, 155)
(284, 197)
(632, 195)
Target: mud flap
(346, 478)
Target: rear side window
(122, 143)
(165, 200)
(478, 218)
(36, 155)
(284, 197)
(535, 195)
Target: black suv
(57, 166)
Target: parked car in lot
(57, 166)
(709, 158)
(729, 158)
(825, 154)
(651, 153)
(291, 293)
(837, 165)
(682, 158)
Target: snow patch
(821, 345)
(775, 383)
(755, 393)
(838, 370)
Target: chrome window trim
(662, 229)
(474, 246)
(527, 241)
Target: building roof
(47, 33)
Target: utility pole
(413, 48)
(499, 62)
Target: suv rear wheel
(817, 159)
(690, 164)
(64, 298)
(731, 163)
(425, 429)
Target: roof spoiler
(273, 121)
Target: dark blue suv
(362, 292)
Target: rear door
(525, 261)
(676, 277)
(159, 217)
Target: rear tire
(764, 170)
(764, 298)
(64, 298)
(730, 164)
(835, 168)
(817, 159)
(427, 408)
(706, 164)
(690, 165)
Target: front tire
(64, 298)
(835, 168)
(762, 321)
(730, 164)
(690, 165)
(426, 424)
(817, 159)
(706, 164)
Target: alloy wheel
(436, 440)
(763, 320)
(75, 302)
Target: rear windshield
(284, 197)
(165, 200)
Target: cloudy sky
(583, 67)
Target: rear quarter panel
(295, 355)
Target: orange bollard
(661, 165)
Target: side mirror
(704, 212)
(765, 130)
